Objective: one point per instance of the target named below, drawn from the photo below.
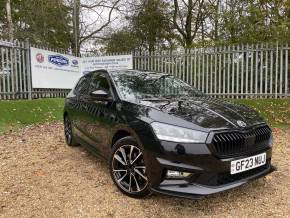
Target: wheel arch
(122, 131)
(119, 134)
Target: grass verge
(16, 114)
(275, 111)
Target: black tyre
(68, 133)
(128, 169)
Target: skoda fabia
(161, 135)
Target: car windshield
(138, 85)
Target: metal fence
(14, 76)
(15, 73)
(237, 71)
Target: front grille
(238, 143)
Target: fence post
(29, 77)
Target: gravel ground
(42, 177)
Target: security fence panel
(14, 72)
(233, 71)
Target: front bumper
(182, 188)
(209, 174)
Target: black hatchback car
(159, 134)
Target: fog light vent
(171, 174)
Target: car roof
(140, 72)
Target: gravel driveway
(42, 177)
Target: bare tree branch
(176, 10)
(92, 34)
(193, 20)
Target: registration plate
(241, 165)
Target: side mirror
(100, 95)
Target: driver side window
(82, 88)
(99, 82)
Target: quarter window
(82, 88)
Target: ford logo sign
(58, 60)
(75, 62)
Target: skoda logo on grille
(241, 123)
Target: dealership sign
(118, 62)
(53, 70)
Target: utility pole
(76, 24)
(9, 20)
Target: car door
(100, 113)
(78, 105)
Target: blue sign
(58, 60)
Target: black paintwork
(97, 124)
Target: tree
(122, 41)
(75, 41)
(151, 24)
(43, 22)
(255, 21)
(9, 19)
(231, 21)
(87, 30)
(187, 19)
(212, 22)
(148, 28)
(147, 24)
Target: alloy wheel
(129, 170)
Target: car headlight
(168, 132)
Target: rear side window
(82, 88)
